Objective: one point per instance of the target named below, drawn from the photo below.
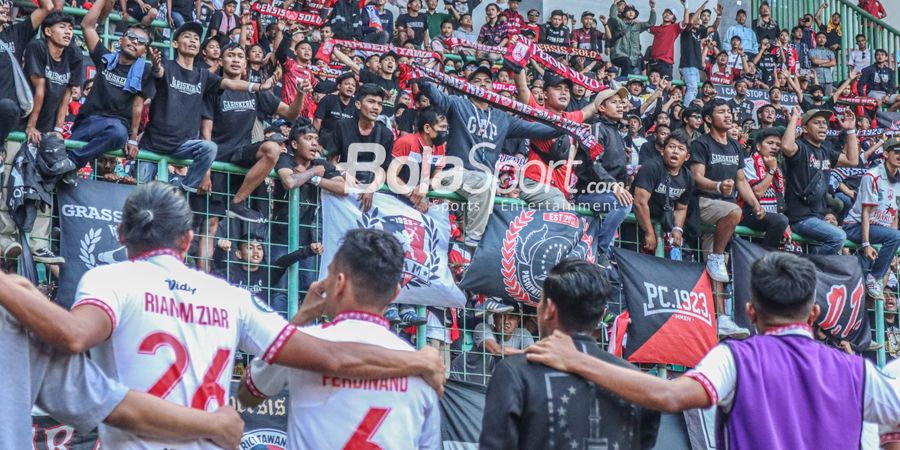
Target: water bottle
(675, 254)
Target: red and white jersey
(174, 335)
(343, 413)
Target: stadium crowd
(565, 112)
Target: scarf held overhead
(520, 51)
(580, 131)
(304, 18)
(327, 48)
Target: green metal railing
(854, 20)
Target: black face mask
(441, 138)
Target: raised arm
(346, 60)
(41, 13)
(850, 155)
(521, 80)
(293, 110)
(89, 24)
(789, 140)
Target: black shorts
(135, 11)
(243, 157)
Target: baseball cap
(528, 32)
(892, 144)
(480, 69)
(586, 14)
(230, 2)
(552, 79)
(194, 27)
(276, 125)
(813, 113)
(609, 93)
(389, 54)
(277, 138)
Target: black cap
(391, 54)
(230, 2)
(55, 18)
(340, 79)
(325, 87)
(480, 69)
(528, 32)
(194, 27)
(557, 12)
(276, 125)
(552, 79)
(276, 137)
(586, 14)
(631, 8)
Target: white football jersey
(353, 414)
(175, 333)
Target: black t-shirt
(722, 162)
(184, 7)
(655, 178)
(392, 87)
(233, 115)
(309, 201)
(742, 110)
(648, 152)
(554, 35)
(806, 175)
(331, 109)
(14, 39)
(690, 48)
(107, 97)
(346, 132)
(58, 75)
(177, 106)
(766, 68)
(417, 24)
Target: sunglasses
(132, 36)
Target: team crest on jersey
(530, 250)
(419, 240)
(264, 439)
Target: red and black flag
(673, 316)
(519, 247)
(839, 292)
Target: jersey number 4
(362, 437)
(209, 388)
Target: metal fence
(286, 297)
(854, 20)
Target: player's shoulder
(359, 332)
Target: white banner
(425, 237)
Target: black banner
(89, 214)
(265, 427)
(758, 97)
(839, 292)
(519, 247)
(672, 309)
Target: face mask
(441, 138)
